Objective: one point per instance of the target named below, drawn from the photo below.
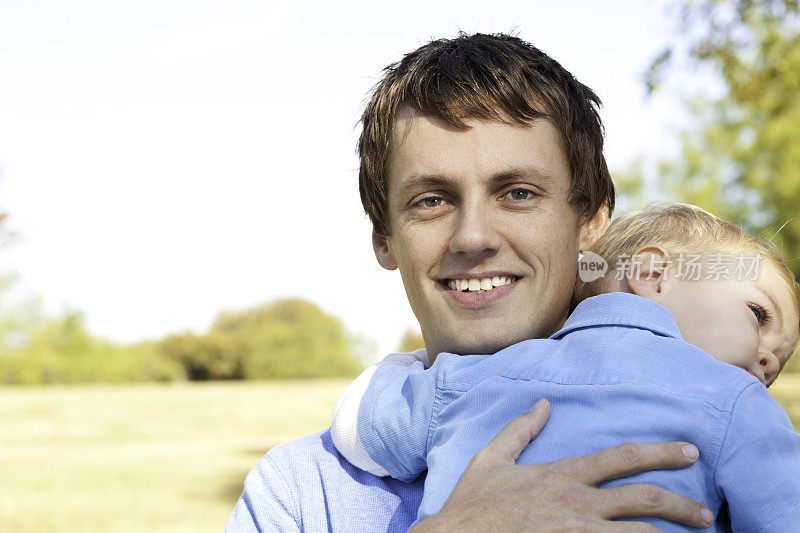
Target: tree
(742, 159)
(211, 356)
(288, 339)
(61, 350)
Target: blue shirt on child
(618, 371)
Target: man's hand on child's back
(496, 494)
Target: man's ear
(383, 252)
(647, 272)
(594, 228)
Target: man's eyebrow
(543, 177)
(535, 173)
(425, 181)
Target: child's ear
(647, 272)
(383, 251)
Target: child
(621, 369)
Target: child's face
(752, 324)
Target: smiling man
(470, 205)
(481, 169)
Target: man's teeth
(479, 285)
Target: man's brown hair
(486, 77)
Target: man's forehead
(431, 144)
(406, 120)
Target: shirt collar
(621, 309)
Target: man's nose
(475, 233)
(769, 365)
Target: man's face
(488, 203)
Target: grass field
(141, 458)
(157, 457)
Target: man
(481, 159)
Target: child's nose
(769, 364)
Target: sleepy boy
(639, 352)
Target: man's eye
(431, 201)
(520, 194)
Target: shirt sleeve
(344, 422)
(266, 504)
(758, 470)
(395, 417)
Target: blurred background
(186, 275)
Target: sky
(167, 160)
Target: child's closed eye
(762, 315)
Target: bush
(285, 339)
(63, 351)
(202, 357)
(290, 338)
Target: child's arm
(758, 470)
(344, 423)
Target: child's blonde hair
(678, 229)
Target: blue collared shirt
(618, 371)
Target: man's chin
(483, 346)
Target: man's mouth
(479, 285)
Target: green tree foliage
(742, 160)
(211, 356)
(38, 349)
(412, 340)
(286, 339)
(290, 338)
(61, 350)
